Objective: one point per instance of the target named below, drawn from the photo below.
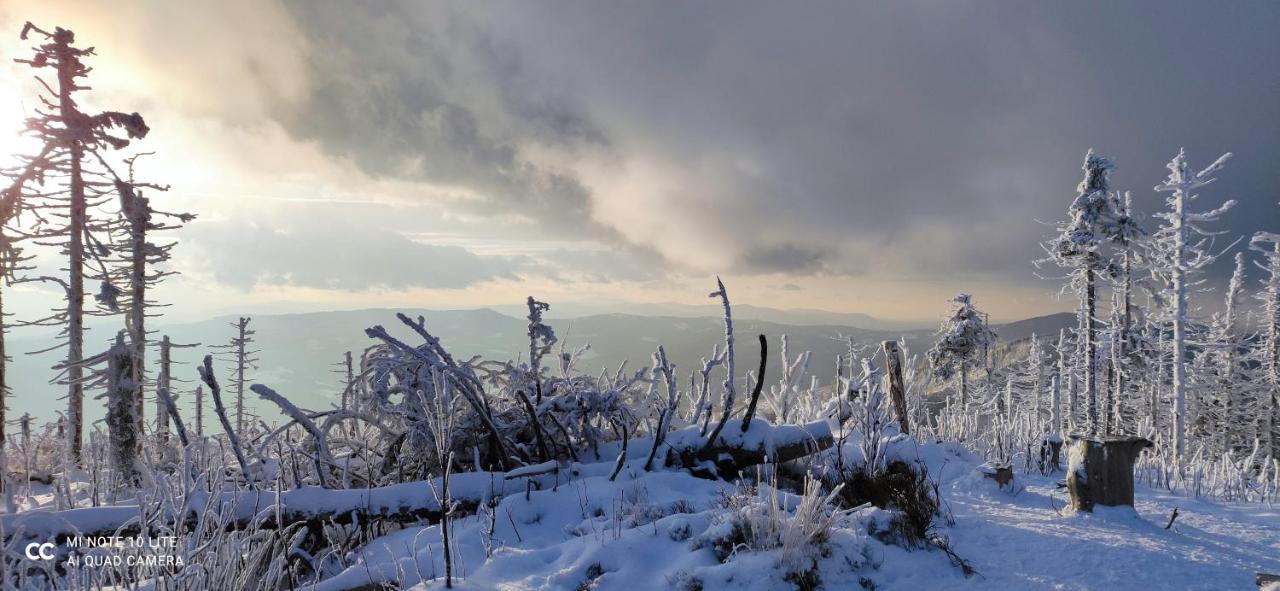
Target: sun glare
(14, 108)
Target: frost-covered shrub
(906, 490)
(759, 519)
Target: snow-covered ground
(653, 531)
(1018, 541)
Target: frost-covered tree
(1094, 221)
(1229, 341)
(243, 358)
(134, 263)
(783, 397)
(1181, 248)
(1268, 244)
(1035, 367)
(963, 337)
(68, 181)
(1125, 339)
(165, 379)
(10, 257)
(123, 422)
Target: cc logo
(38, 551)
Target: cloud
(775, 138)
(324, 253)
(908, 140)
(784, 258)
(411, 91)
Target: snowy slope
(648, 531)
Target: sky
(846, 156)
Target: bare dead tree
(243, 357)
(206, 375)
(199, 411)
(135, 258)
(61, 187)
(165, 380)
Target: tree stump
(1001, 473)
(1100, 470)
(1050, 454)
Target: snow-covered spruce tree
(69, 180)
(1180, 251)
(1094, 220)
(1035, 367)
(1268, 244)
(1126, 340)
(1229, 341)
(1066, 380)
(239, 352)
(962, 338)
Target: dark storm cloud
(814, 136)
(409, 92)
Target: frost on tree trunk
(1184, 255)
(897, 388)
(1100, 471)
(1268, 427)
(122, 418)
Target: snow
(648, 531)
(1017, 541)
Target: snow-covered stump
(1100, 470)
(1001, 473)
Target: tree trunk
(1179, 329)
(138, 306)
(241, 361)
(75, 268)
(4, 395)
(199, 411)
(164, 381)
(897, 388)
(1091, 349)
(122, 423)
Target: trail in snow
(1017, 541)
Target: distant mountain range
(792, 316)
(298, 351)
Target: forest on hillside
(435, 470)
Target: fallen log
(409, 502)
(735, 449)
(401, 503)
